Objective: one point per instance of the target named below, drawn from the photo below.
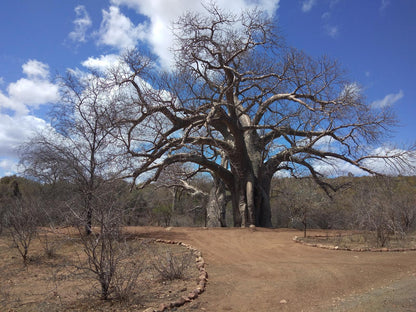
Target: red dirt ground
(264, 270)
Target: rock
(186, 299)
(193, 295)
(162, 307)
(201, 287)
(180, 302)
(283, 301)
(203, 273)
(149, 310)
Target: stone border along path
(299, 240)
(200, 288)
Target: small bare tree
(79, 149)
(22, 217)
(105, 247)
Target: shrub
(21, 221)
(172, 266)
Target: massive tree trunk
(263, 213)
(254, 185)
(216, 206)
(217, 199)
(251, 205)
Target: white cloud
(101, 63)
(6, 102)
(307, 5)
(162, 13)
(81, 24)
(388, 100)
(32, 91)
(36, 70)
(8, 167)
(393, 166)
(16, 129)
(118, 31)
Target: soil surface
(62, 282)
(264, 270)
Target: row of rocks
(331, 247)
(199, 289)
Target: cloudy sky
(374, 40)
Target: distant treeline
(370, 203)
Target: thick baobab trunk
(250, 198)
(216, 206)
(217, 200)
(263, 215)
(253, 186)
(251, 203)
(235, 201)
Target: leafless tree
(78, 148)
(237, 93)
(106, 246)
(303, 200)
(22, 217)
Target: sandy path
(256, 270)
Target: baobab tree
(236, 94)
(241, 105)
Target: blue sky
(374, 40)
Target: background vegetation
(386, 205)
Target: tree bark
(88, 210)
(254, 185)
(261, 212)
(262, 203)
(250, 202)
(216, 206)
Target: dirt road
(264, 270)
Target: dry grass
(361, 240)
(58, 284)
